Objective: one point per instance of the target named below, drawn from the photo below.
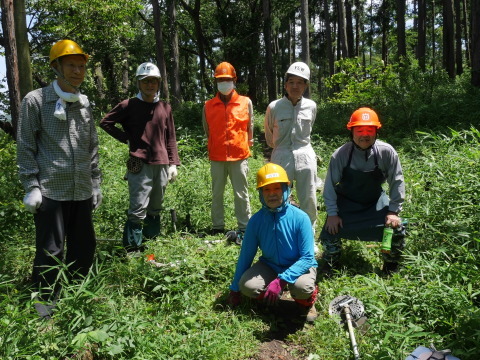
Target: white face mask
(225, 87)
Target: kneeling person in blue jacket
(284, 235)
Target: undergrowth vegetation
(126, 308)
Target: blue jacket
(286, 241)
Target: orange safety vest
(228, 128)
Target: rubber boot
(132, 235)
(151, 226)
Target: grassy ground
(128, 309)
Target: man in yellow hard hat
(284, 234)
(57, 155)
(228, 124)
(356, 204)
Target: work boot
(235, 236)
(45, 309)
(132, 235)
(151, 226)
(311, 315)
(307, 307)
(389, 268)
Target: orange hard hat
(364, 117)
(225, 70)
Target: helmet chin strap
(60, 75)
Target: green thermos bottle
(387, 240)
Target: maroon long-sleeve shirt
(148, 127)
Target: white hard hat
(299, 69)
(147, 69)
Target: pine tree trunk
(401, 44)
(342, 29)
(23, 49)
(448, 38)
(176, 98)
(159, 46)
(422, 33)
(305, 37)
(458, 38)
(270, 66)
(11, 66)
(328, 35)
(475, 43)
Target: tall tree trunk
(99, 81)
(349, 29)
(125, 73)
(305, 37)
(342, 28)
(200, 38)
(370, 41)
(159, 48)
(475, 9)
(448, 38)
(305, 33)
(466, 35)
(458, 37)
(434, 54)
(422, 33)
(174, 54)
(8, 26)
(384, 13)
(401, 43)
(328, 35)
(415, 19)
(270, 66)
(358, 28)
(23, 48)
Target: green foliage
(127, 308)
(11, 191)
(406, 98)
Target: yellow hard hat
(66, 47)
(271, 173)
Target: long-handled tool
(353, 311)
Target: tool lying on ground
(351, 311)
(151, 259)
(424, 353)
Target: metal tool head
(337, 307)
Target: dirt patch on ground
(278, 350)
(284, 319)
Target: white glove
(172, 173)
(33, 200)
(96, 195)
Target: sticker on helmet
(272, 175)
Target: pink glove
(274, 290)
(234, 298)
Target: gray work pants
(147, 189)
(237, 171)
(255, 280)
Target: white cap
(299, 69)
(147, 69)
